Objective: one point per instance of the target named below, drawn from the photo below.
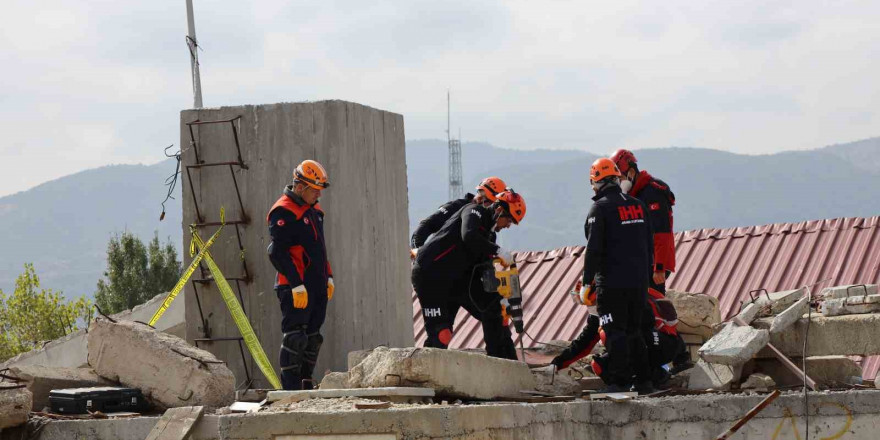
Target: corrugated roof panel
(724, 263)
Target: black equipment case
(104, 399)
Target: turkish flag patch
(280, 222)
(654, 206)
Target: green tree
(32, 315)
(136, 273)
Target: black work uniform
(446, 277)
(436, 220)
(619, 259)
(298, 253)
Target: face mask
(625, 186)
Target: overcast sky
(91, 83)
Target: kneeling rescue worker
(487, 191)
(618, 262)
(304, 283)
(446, 271)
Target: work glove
(505, 318)
(330, 288)
(413, 253)
(505, 256)
(300, 297)
(659, 277)
(583, 295)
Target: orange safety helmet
(312, 174)
(603, 168)
(624, 159)
(491, 186)
(513, 203)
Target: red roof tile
(724, 263)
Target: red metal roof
(724, 263)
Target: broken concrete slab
(165, 368)
(758, 382)
(41, 380)
(849, 290)
(789, 316)
(749, 313)
(734, 345)
(697, 313)
(853, 305)
(828, 371)
(355, 357)
(774, 303)
(450, 373)
(709, 376)
(335, 380)
(848, 335)
(401, 393)
(558, 383)
(15, 403)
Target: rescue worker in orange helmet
(659, 199)
(443, 274)
(486, 195)
(304, 282)
(617, 264)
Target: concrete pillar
(366, 222)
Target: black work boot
(678, 368)
(644, 388)
(613, 388)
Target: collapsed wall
(366, 222)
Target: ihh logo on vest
(432, 313)
(605, 319)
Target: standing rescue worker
(445, 274)
(304, 282)
(617, 264)
(486, 195)
(659, 199)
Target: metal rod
(193, 191)
(240, 297)
(228, 222)
(237, 192)
(227, 338)
(213, 164)
(247, 373)
(219, 121)
(195, 145)
(204, 321)
(237, 146)
(749, 415)
(194, 54)
(241, 249)
(211, 280)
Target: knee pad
(313, 346)
(293, 346)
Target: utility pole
(455, 187)
(193, 45)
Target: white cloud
(100, 82)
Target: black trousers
(301, 337)
(620, 315)
(682, 356)
(441, 298)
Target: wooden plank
(377, 405)
(749, 415)
(176, 423)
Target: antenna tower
(455, 188)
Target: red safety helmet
(513, 203)
(491, 186)
(624, 159)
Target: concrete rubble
(848, 335)
(697, 313)
(853, 305)
(169, 372)
(449, 372)
(556, 382)
(41, 380)
(15, 403)
(758, 382)
(828, 371)
(734, 345)
(709, 376)
(849, 290)
(789, 316)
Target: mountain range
(63, 226)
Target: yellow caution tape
(188, 273)
(244, 326)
